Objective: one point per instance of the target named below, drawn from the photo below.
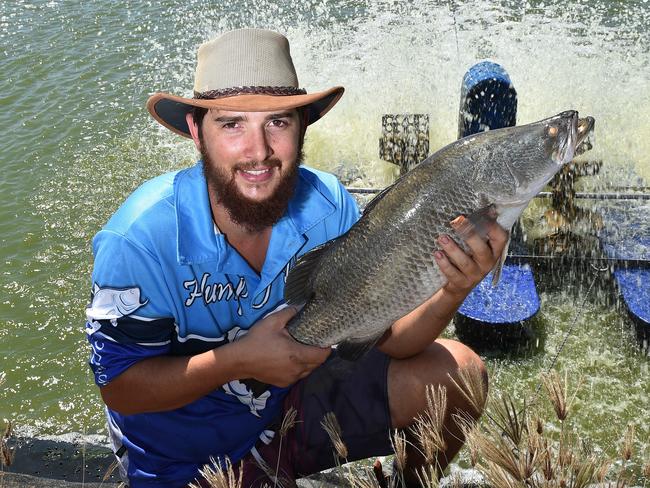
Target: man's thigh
(356, 393)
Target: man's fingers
(484, 250)
(279, 318)
(456, 255)
(287, 312)
(450, 271)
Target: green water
(75, 139)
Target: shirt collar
(196, 239)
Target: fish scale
(353, 288)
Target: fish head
(532, 154)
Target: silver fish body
(355, 287)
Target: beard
(253, 215)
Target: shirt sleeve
(129, 317)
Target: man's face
(250, 162)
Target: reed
(333, 429)
(428, 426)
(220, 477)
(398, 441)
(6, 453)
(288, 423)
(472, 386)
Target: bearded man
(188, 281)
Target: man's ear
(194, 130)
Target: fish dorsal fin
(300, 281)
(379, 196)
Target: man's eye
(230, 125)
(278, 123)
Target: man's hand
(465, 270)
(272, 356)
(411, 334)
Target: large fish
(354, 287)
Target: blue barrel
(488, 100)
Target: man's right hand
(266, 353)
(270, 355)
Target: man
(187, 301)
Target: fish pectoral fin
(300, 283)
(496, 272)
(352, 350)
(477, 222)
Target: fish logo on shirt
(246, 396)
(246, 393)
(113, 303)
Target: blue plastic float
(513, 300)
(488, 100)
(625, 238)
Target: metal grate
(404, 140)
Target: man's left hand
(465, 270)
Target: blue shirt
(166, 282)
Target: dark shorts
(356, 392)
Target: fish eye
(552, 131)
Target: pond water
(76, 140)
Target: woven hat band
(250, 90)
(245, 57)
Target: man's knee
(465, 360)
(468, 379)
(447, 363)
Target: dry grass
(428, 426)
(471, 385)
(513, 449)
(333, 429)
(220, 478)
(6, 453)
(628, 443)
(398, 441)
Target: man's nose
(259, 147)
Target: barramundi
(351, 289)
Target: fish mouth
(585, 135)
(577, 137)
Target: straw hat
(246, 70)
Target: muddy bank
(77, 462)
(58, 463)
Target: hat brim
(170, 110)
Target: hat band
(250, 90)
